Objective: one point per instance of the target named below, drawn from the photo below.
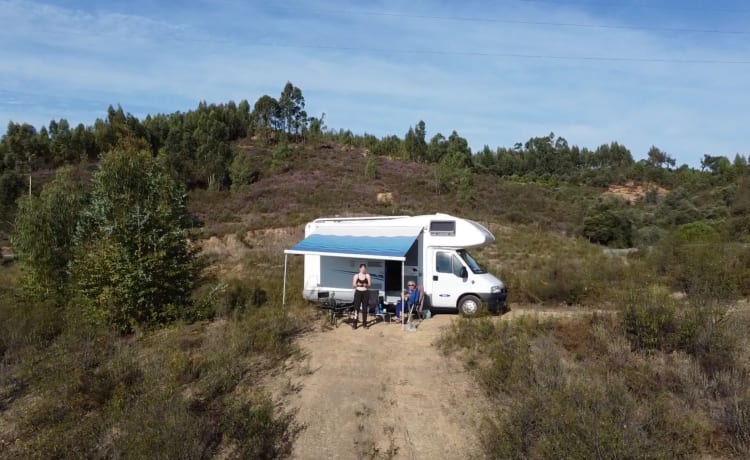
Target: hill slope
(328, 179)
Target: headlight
(497, 289)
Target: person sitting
(408, 300)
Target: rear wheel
(469, 305)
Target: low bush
(588, 418)
(653, 320)
(736, 421)
(273, 440)
(650, 320)
(192, 390)
(238, 296)
(603, 386)
(563, 271)
(24, 323)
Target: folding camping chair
(416, 308)
(333, 309)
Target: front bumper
(497, 302)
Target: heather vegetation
(143, 303)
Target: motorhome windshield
(473, 265)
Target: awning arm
(401, 294)
(283, 293)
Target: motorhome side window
(448, 263)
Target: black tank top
(362, 282)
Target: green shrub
(736, 420)
(242, 170)
(650, 321)
(25, 323)
(695, 233)
(694, 260)
(581, 419)
(709, 273)
(608, 227)
(648, 236)
(738, 228)
(548, 405)
(570, 272)
(562, 279)
(280, 157)
(165, 419)
(229, 298)
(258, 431)
(453, 174)
(712, 335)
(371, 167)
(190, 390)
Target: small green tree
(465, 190)
(317, 128)
(280, 156)
(371, 168)
(44, 234)
(133, 265)
(242, 171)
(608, 227)
(453, 174)
(609, 222)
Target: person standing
(361, 284)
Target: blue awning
(387, 243)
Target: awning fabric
(386, 243)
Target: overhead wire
(706, 61)
(527, 22)
(508, 55)
(638, 5)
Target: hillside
(328, 179)
(240, 377)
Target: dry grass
(190, 389)
(540, 266)
(581, 388)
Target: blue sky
(661, 72)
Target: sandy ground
(386, 393)
(382, 393)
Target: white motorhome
(430, 250)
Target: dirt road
(382, 393)
(387, 393)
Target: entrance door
(393, 276)
(447, 283)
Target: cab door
(449, 278)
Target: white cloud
(368, 74)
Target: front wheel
(469, 305)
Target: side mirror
(464, 273)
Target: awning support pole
(401, 294)
(283, 293)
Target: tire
(469, 305)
